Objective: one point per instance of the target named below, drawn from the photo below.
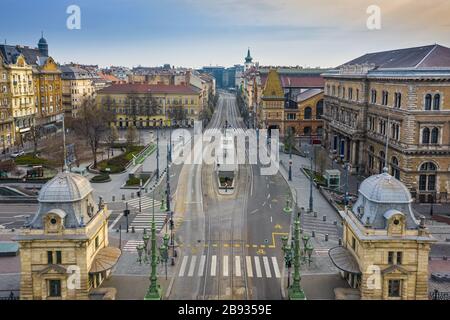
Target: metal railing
(437, 295)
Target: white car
(17, 154)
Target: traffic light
(126, 212)
(138, 193)
(171, 224)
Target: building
(304, 118)
(218, 73)
(248, 61)
(144, 105)
(6, 118)
(78, 85)
(64, 249)
(385, 249)
(400, 96)
(21, 98)
(271, 110)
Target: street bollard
(315, 214)
(340, 241)
(324, 218)
(326, 237)
(113, 198)
(301, 230)
(132, 230)
(123, 197)
(132, 195)
(335, 223)
(313, 234)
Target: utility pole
(168, 181)
(157, 153)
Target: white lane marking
(183, 266)
(192, 266)
(271, 220)
(213, 266)
(237, 260)
(249, 266)
(267, 267)
(202, 265)
(268, 196)
(275, 267)
(258, 267)
(225, 266)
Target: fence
(436, 295)
(11, 296)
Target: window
(373, 96)
(428, 102)
(353, 243)
(58, 257)
(426, 136)
(381, 161)
(319, 109)
(427, 178)
(398, 100)
(308, 113)
(436, 102)
(385, 98)
(54, 288)
(291, 116)
(394, 288)
(395, 170)
(357, 94)
(435, 136)
(390, 257)
(399, 257)
(307, 131)
(49, 257)
(350, 93)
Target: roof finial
(42, 34)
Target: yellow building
(271, 113)
(385, 248)
(6, 119)
(143, 105)
(77, 86)
(64, 249)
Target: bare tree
(93, 123)
(111, 137)
(131, 136)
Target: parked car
(17, 154)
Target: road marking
(202, 265)
(249, 266)
(183, 266)
(271, 219)
(225, 266)
(275, 267)
(258, 267)
(267, 267)
(237, 260)
(268, 196)
(213, 266)
(192, 266)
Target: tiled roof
(432, 56)
(145, 88)
(305, 95)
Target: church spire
(249, 58)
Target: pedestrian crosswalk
(146, 203)
(226, 266)
(131, 245)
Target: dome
(384, 188)
(65, 187)
(42, 41)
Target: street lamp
(288, 207)
(167, 182)
(290, 170)
(311, 200)
(157, 153)
(293, 253)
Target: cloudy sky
(218, 32)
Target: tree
(177, 113)
(111, 137)
(131, 136)
(93, 123)
(35, 135)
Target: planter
(100, 179)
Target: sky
(195, 33)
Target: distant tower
(248, 60)
(43, 46)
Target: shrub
(101, 178)
(31, 160)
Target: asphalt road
(229, 244)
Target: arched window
(428, 99)
(437, 102)
(398, 100)
(435, 136)
(426, 136)
(319, 109)
(427, 178)
(373, 96)
(395, 170)
(381, 161)
(308, 113)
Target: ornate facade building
(64, 249)
(143, 105)
(6, 119)
(400, 96)
(385, 249)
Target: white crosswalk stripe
(146, 203)
(267, 267)
(258, 267)
(248, 260)
(131, 245)
(183, 266)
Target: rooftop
(146, 88)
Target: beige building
(143, 105)
(6, 119)
(400, 95)
(385, 248)
(64, 249)
(77, 86)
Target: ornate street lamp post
(288, 208)
(167, 182)
(311, 200)
(157, 153)
(294, 253)
(290, 170)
